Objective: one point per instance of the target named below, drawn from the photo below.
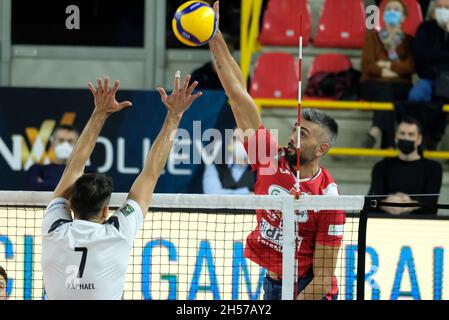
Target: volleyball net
(193, 246)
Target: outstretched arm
(105, 105)
(243, 107)
(177, 104)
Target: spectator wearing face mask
(409, 174)
(431, 54)
(387, 68)
(45, 177)
(233, 177)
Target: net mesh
(189, 253)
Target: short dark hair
(410, 120)
(90, 193)
(67, 127)
(3, 274)
(324, 121)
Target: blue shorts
(273, 288)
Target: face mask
(406, 146)
(392, 17)
(442, 16)
(63, 151)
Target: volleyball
(195, 23)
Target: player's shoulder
(130, 207)
(328, 185)
(326, 176)
(58, 204)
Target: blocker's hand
(105, 101)
(181, 99)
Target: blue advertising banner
(28, 117)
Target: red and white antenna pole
(298, 125)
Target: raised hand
(105, 101)
(217, 11)
(181, 99)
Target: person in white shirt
(86, 257)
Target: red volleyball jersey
(276, 177)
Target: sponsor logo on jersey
(276, 190)
(336, 230)
(127, 209)
(270, 232)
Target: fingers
(177, 83)
(217, 8)
(196, 96)
(125, 104)
(186, 83)
(103, 86)
(106, 85)
(162, 93)
(115, 87)
(192, 88)
(100, 86)
(92, 88)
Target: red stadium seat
(342, 24)
(275, 76)
(414, 18)
(281, 23)
(332, 62)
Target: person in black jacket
(398, 179)
(431, 52)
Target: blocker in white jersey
(87, 260)
(86, 257)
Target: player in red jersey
(320, 233)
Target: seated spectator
(46, 177)
(387, 68)
(431, 54)
(3, 284)
(409, 174)
(423, 3)
(233, 177)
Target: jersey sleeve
(331, 227)
(262, 149)
(129, 218)
(58, 211)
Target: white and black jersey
(82, 260)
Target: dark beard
(291, 159)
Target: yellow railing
(349, 105)
(330, 105)
(382, 153)
(249, 32)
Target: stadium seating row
(340, 25)
(276, 74)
